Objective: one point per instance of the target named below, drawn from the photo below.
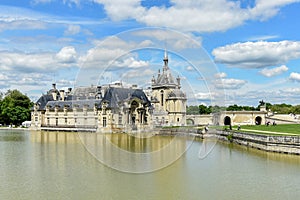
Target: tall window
(162, 98)
(48, 121)
(120, 118)
(56, 121)
(104, 121)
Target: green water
(52, 165)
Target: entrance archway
(190, 122)
(258, 120)
(227, 121)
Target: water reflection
(56, 165)
(13, 135)
(135, 155)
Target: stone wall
(199, 119)
(179, 131)
(281, 144)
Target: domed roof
(176, 93)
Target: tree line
(276, 108)
(15, 108)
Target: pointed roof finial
(166, 58)
(166, 54)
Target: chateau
(113, 107)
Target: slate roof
(43, 100)
(90, 103)
(114, 96)
(176, 93)
(165, 78)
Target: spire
(166, 58)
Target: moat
(56, 165)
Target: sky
(225, 51)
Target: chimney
(62, 95)
(54, 94)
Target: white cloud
(274, 96)
(113, 52)
(76, 29)
(21, 24)
(274, 71)
(41, 1)
(133, 63)
(67, 55)
(189, 68)
(190, 15)
(122, 10)
(229, 83)
(263, 37)
(65, 83)
(72, 30)
(138, 73)
(67, 2)
(173, 39)
(266, 9)
(100, 57)
(295, 76)
(220, 75)
(71, 2)
(204, 96)
(257, 54)
(18, 61)
(16, 80)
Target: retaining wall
(281, 144)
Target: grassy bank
(284, 129)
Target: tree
(216, 108)
(15, 108)
(192, 110)
(296, 109)
(282, 108)
(234, 108)
(204, 109)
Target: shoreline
(17, 128)
(287, 144)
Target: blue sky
(225, 51)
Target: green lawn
(280, 128)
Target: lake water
(51, 165)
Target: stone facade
(240, 118)
(230, 118)
(113, 108)
(168, 100)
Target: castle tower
(167, 98)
